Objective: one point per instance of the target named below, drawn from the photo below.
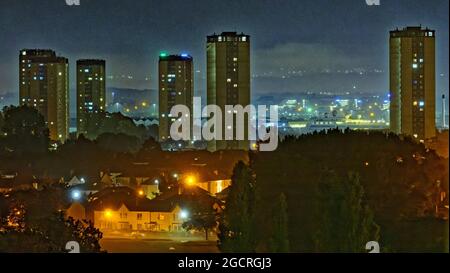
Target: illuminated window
(235, 59)
(414, 65)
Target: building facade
(91, 92)
(228, 81)
(176, 86)
(139, 219)
(412, 82)
(44, 85)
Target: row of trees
(334, 192)
(29, 225)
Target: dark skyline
(308, 37)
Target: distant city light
(163, 54)
(184, 55)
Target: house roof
(187, 196)
(114, 197)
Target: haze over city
(297, 46)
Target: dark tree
(116, 123)
(119, 143)
(51, 236)
(279, 241)
(236, 222)
(202, 217)
(25, 131)
(345, 223)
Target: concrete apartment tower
(44, 85)
(412, 82)
(228, 81)
(91, 92)
(176, 86)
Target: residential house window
(161, 216)
(139, 216)
(123, 215)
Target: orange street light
(141, 193)
(108, 213)
(190, 180)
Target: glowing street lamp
(190, 180)
(108, 213)
(184, 214)
(141, 193)
(76, 195)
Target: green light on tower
(162, 54)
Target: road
(157, 243)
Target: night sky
(316, 39)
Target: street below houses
(158, 242)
